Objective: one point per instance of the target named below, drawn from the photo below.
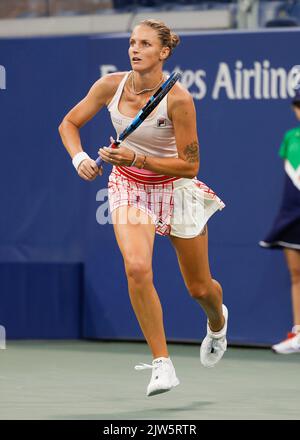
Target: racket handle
(99, 160)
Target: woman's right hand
(88, 170)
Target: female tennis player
(153, 186)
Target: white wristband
(78, 158)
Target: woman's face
(145, 50)
(297, 111)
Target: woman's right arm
(99, 95)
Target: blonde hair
(166, 37)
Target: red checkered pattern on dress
(155, 200)
(205, 188)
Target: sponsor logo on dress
(161, 122)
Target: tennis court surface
(87, 380)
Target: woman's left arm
(183, 115)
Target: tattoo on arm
(191, 152)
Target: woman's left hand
(120, 156)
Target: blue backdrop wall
(242, 86)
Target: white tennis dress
(177, 206)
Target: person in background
(285, 233)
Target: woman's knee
(138, 270)
(200, 290)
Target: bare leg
(136, 244)
(192, 256)
(293, 261)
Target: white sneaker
(214, 344)
(289, 345)
(163, 377)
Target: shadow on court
(144, 414)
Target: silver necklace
(144, 90)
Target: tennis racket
(145, 111)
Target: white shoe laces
(155, 366)
(143, 366)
